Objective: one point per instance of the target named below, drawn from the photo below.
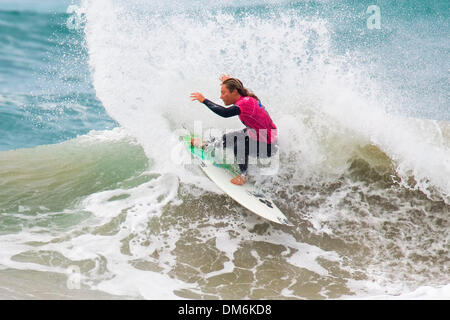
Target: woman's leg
(239, 141)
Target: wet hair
(233, 83)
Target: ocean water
(95, 205)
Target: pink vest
(255, 117)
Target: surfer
(260, 129)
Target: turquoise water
(89, 177)
(46, 95)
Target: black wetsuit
(222, 111)
(240, 138)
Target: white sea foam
(437, 292)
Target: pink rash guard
(255, 117)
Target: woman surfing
(260, 129)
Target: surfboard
(246, 195)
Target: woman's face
(227, 96)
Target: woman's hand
(197, 96)
(224, 77)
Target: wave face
(46, 94)
(98, 199)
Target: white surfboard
(246, 195)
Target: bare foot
(197, 142)
(239, 180)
